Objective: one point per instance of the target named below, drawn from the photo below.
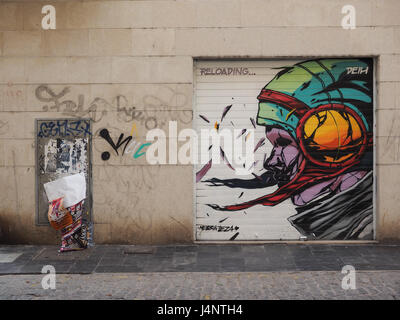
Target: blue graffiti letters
(64, 128)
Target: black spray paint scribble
(121, 142)
(124, 143)
(204, 118)
(234, 236)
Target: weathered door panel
(63, 147)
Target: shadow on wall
(16, 231)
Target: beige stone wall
(144, 50)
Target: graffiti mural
(318, 117)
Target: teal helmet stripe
(270, 114)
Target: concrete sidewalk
(200, 258)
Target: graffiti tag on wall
(127, 145)
(64, 128)
(99, 107)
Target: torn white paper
(72, 188)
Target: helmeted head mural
(318, 116)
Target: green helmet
(317, 82)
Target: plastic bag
(66, 198)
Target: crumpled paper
(72, 188)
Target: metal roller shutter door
(219, 84)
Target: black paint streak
(267, 179)
(203, 171)
(242, 133)
(223, 220)
(226, 110)
(222, 153)
(259, 144)
(234, 236)
(253, 122)
(204, 118)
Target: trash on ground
(66, 198)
